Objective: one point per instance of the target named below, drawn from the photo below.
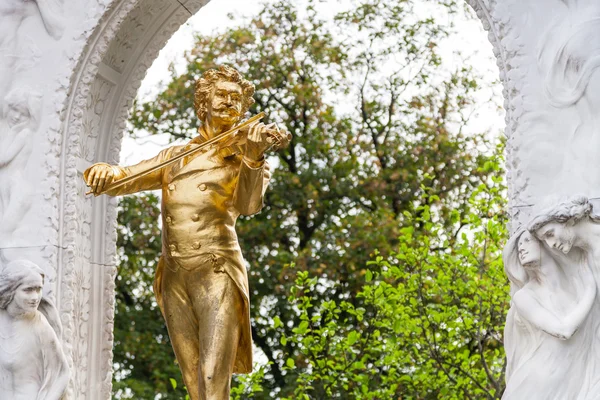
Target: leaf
(290, 363)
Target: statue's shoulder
(169, 152)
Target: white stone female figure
(21, 112)
(571, 231)
(551, 299)
(32, 363)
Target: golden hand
(262, 137)
(98, 176)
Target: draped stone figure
(552, 342)
(571, 229)
(552, 298)
(21, 119)
(201, 282)
(12, 15)
(32, 362)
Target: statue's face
(557, 235)
(15, 116)
(225, 107)
(29, 294)
(529, 250)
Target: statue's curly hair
(574, 210)
(206, 83)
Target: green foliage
(379, 160)
(249, 386)
(430, 322)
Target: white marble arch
(116, 55)
(88, 77)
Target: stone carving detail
(96, 102)
(550, 335)
(548, 58)
(126, 40)
(12, 15)
(32, 362)
(21, 117)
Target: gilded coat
(202, 198)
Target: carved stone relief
(12, 15)
(550, 336)
(549, 55)
(21, 116)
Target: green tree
(375, 120)
(430, 325)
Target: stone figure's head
(555, 225)
(21, 284)
(529, 251)
(522, 258)
(222, 96)
(21, 105)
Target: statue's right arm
(100, 175)
(531, 309)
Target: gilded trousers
(202, 309)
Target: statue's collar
(225, 152)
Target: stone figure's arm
(14, 148)
(52, 16)
(100, 175)
(531, 309)
(253, 180)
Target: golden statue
(201, 283)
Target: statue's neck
(587, 234)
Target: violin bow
(193, 150)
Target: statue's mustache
(224, 108)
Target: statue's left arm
(254, 171)
(253, 181)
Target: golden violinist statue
(201, 283)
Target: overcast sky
(471, 40)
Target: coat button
(202, 187)
(168, 219)
(171, 186)
(195, 217)
(172, 247)
(197, 245)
